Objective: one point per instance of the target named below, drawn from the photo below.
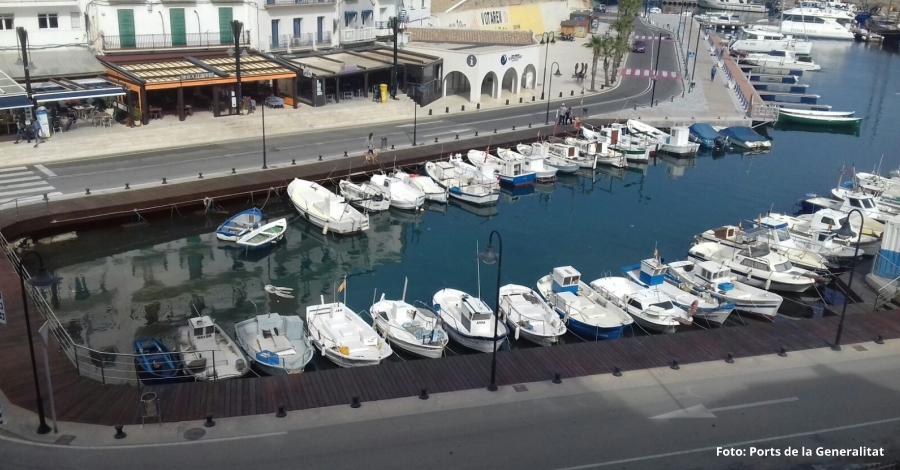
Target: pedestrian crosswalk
(22, 182)
(647, 73)
(650, 38)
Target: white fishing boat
(432, 191)
(865, 203)
(277, 344)
(511, 171)
(468, 320)
(652, 310)
(821, 241)
(529, 316)
(402, 194)
(756, 266)
(325, 209)
(620, 139)
(585, 313)
(832, 220)
(769, 232)
(810, 112)
(889, 205)
(598, 151)
(715, 279)
(733, 5)
(239, 224)
(651, 273)
(677, 142)
(811, 23)
(343, 337)
(780, 60)
(367, 196)
(460, 185)
(542, 172)
(541, 149)
(760, 40)
(267, 235)
(208, 353)
(416, 330)
(486, 174)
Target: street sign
(692, 54)
(2, 310)
(471, 60)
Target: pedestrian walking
(568, 116)
(370, 144)
(712, 73)
(561, 115)
(21, 134)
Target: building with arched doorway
(480, 65)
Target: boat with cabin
(780, 60)
(276, 344)
(774, 234)
(529, 316)
(757, 266)
(652, 310)
(733, 5)
(716, 280)
(599, 152)
(542, 172)
(402, 195)
(431, 190)
(325, 209)
(460, 185)
(582, 309)
(511, 171)
(367, 196)
(414, 329)
(208, 353)
(754, 39)
(468, 320)
(343, 337)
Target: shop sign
(197, 76)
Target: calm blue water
(596, 225)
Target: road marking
(423, 124)
(734, 444)
(18, 173)
(17, 168)
(700, 411)
(32, 198)
(141, 446)
(45, 171)
(29, 190)
(23, 185)
(4, 182)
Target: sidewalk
(21, 424)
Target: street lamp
(418, 93)
(236, 27)
(22, 38)
(656, 70)
(263, 103)
(550, 39)
(42, 279)
(847, 231)
(489, 256)
(549, 89)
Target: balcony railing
(162, 41)
(285, 3)
(349, 36)
(287, 41)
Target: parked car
(639, 46)
(655, 10)
(600, 9)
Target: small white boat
(756, 266)
(511, 171)
(832, 220)
(468, 320)
(208, 353)
(677, 142)
(652, 310)
(461, 185)
(485, 174)
(367, 196)
(267, 235)
(865, 203)
(555, 160)
(239, 224)
(759, 40)
(542, 172)
(780, 60)
(416, 330)
(277, 344)
(772, 233)
(744, 137)
(823, 241)
(715, 280)
(585, 313)
(325, 209)
(733, 5)
(403, 195)
(529, 316)
(343, 337)
(432, 191)
(598, 153)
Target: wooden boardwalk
(80, 399)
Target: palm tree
(599, 46)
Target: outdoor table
(155, 111)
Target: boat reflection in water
(675, 166)
(798, 127)
(475, 209)
(512, 194)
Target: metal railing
(357, 35)
(288, 41)
(162, 41)
(297, 2)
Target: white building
(296, 25)
(48, 22)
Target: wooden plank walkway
(80, 399)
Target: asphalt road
(820, 406)
(151, 167)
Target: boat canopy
(743, 134)
(704, 131)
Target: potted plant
(137, 115)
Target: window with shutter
(126, 28)
(176, 24)
(225, 18)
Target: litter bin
(384, 93)
(150, 405)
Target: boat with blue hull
(239, 224)
(704, 134)
(746, 137)
(583, 310)
(154, 360)
(511, 170)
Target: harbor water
(120, 283)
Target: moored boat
(366, 195)
(416, 330)
(791, 116)
(342, 337)
(715, 279)
(432, 191)
(208, 353)
(529, 316)
(403, 195)
(154, 361)
(325, 209)
(756, 266)
(745, 137)
(468, 320)
(652, 310)
(461, 186)
(238, 224)
(584, 312)
(277, 344)
(264, 236)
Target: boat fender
(517, 333)
(694, 305)
(768, 283)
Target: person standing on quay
(712, 73)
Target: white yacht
(277, 344)
(733, 5)
(771, 232)
(651, 309)
(511, 170)
(416, 330)
(208, 353)
(343, 337)
(402, 195)
(460, 185)
(830, 219)
(756, 266)
(816, 23)
(866, 203)
(529, 316)
(365, 195)
(823, 241)
(760, 40)
(781, 60)
(468, 320)
(715, 279)
(325, 209)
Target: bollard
(476, 133)
(529, 125)
(463, 108)
(392, 146)
(730, 358)
(520, 100)
(320, 158)
(345, 153)
(672, 99)
(617, 371)
(560, 94)
(675, 365)
(477, 105)
(495, 131)
(514, 127)
(87, 191)
(355, 402)
(879, 340)
(293, 161)
(435, 140)
(507, 102)
(199, 176)
(557, 378)
(423, 395)
(233, 172)
(572, 93)
(281, 413)
(783, 352)
(457, 137)
(635, 106)
(209, 421)
(47, 198)
(164, 181)
(429, 111)
(127, 186)
(447, 110)
(119, 433)
(532, 98)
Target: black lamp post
(489, 256)
(847, 231)
(42, 279)
(656, 70)
(263, 103)
(546, 38)
(696, 47)
(236, 27)
(549, 89)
